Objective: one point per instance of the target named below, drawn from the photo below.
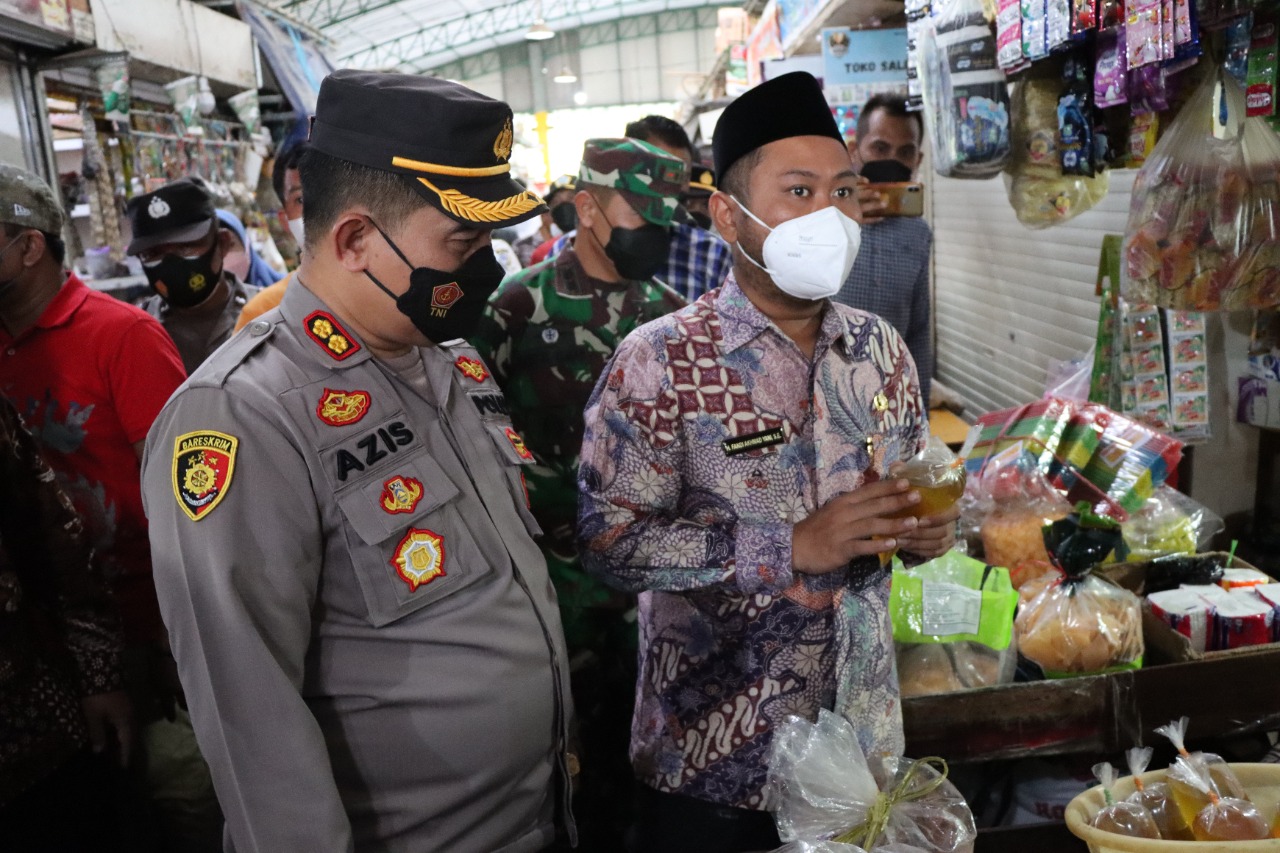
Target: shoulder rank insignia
(329, 334)
(472, 368)
(339, 408)
(518, 443)
(419, 558)
(203, 463)
(401, 494)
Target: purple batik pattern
(731, 640)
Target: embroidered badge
(443, 296)
(158, 208)
(401, 494)
(203, 463)
(339, 408)
(502, 145)
(419, 558)
(329, 334)
(550, 336)
(472, 368)
(518, 443)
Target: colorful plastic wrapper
(1185, 612)
(1009, 36)
(1109, 82)
(1155, 797)
(825, 789)
(1121, 818)
(953, 625)
(1204, 219)
(1240, 619)
(1260, 74)
(1087, 451)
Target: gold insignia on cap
(477, 210)
(706, 179)
(502, 145)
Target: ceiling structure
(419, 35)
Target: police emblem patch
(203, 463)
(401, 494)
(158, 208)
(550, 336)
(329, 334)
(196, 282)
(471, 368)
(502, 145)
(518, 443)
(443, 297)
(340, 408)
(419, 558)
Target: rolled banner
(247, 110)
(185, 93)
(113, 83)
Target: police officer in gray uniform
(183, 251)
(365, 631)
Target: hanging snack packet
(1260, 88)
(1190, 797)
(1109, 83)
(1075, 122)
(1122, 818)
(1221, 818)
(1155, 797)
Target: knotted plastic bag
(826, 790)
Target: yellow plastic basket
(1262, 781)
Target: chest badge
(472, 368)
(419, 558)
(550, 336)
(329, 334)
(401, 494)
(518, 443)
(203, 463)
(339, 408)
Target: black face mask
(186, 282)
(446, 305)
(637, 253)
(565, 216)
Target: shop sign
(854, 57)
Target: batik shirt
(709, 437)
(547, 335)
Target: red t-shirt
(89, 378)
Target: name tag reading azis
(754, 441)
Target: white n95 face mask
(809, 257)
(295, 228)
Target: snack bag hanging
(1204, 220)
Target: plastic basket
(1262, 781)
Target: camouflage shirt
(547, 334)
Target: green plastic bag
(952, 599)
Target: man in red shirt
(88, 374)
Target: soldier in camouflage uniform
(547, 334)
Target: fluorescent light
(540, 31)
(566, 75)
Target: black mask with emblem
(184, 282)
(446, 305)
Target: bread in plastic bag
(824, 789)
(1204, 217)
(1040, 194)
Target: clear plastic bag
(818, 847)
(1007, 505)
(1170, 523)
(1123, 818)
(1218, 818)
(1204, 220)
(1040, 194)
(824, 789)
(1155, 797)
(1197, 777)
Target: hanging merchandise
(1111, 68)
(965, 95)
(1040, 193)
(1260, 78)
(1204, 220)
(185, 94)
(113, 83)
(104, 223)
